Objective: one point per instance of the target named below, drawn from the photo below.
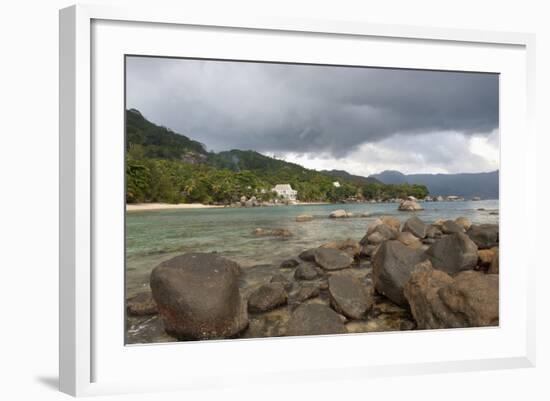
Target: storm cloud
(310, 112)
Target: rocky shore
(398, 276)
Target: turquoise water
(154, 236)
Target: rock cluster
(399, 276)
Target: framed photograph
(251, 192)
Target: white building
(285, 191)
(336, 184)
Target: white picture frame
(93, 358)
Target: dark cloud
(307, 109)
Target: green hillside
(164, 166)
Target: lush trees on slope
(163, 166)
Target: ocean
(155, 236)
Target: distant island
(466, 185)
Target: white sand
(136, 207)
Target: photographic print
(277, 199)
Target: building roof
(282, 187)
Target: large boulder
(408, 239)
(332, 259)
(314, 319)
(350, 296)
(451, 227)
(416, 227)
(453, 253)
(392, 265)
(410, 206)
(337, 214)
(350, 246)
(439, 301)
(267, 297)
(433, 231)
(379, 234)
(391, 221)
(198, 296)
(372, 226)
(484, 235)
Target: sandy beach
(138, 207)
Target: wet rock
(409, 206)
(289, 263)
(314, 319)
(279, 278)
(277, 232)
(198, 296)
(308, 255)
(450, 227)
(463, 222)
(332, 259)
(408, 239)
(416, 227)
(484, 235)
(392, 266)
(338, 214)
(306, 292)
(267, 297)
(142, 304)
(268, 324)
(349, 246)
(350, 296)
(453, 253)
(437, 300)
(305, 272)
(304, 217)
(494, 268)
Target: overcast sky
(363, 120)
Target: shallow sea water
(155, 236)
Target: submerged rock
(289, 263)
(349, 246)
(198, 296)
(303, 218)
(350, 296)
(453, 253)
(392, 266)
(314, 319)
(267, 297)
(141, 305)
(338, 214)
(305, 272)
(332, 259)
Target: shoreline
(141, 207)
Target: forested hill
(165, 166)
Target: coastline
(141, 207)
